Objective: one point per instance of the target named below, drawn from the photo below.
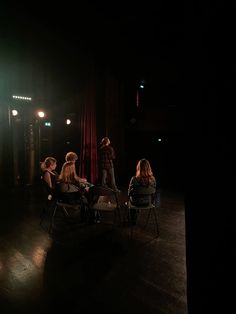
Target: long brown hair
(144, 171)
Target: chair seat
(66, 205)
(151, 206)
(103, 206)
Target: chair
(63, 205)
(142, 199)
(105, 202)
(48, 198)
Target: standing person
(106, 157)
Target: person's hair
(71, 156)
(144, 170)
(105, 141)
(48, 162)
(68, 172)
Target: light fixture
(47, 124)
(68, 121)
(14, 112)
(41, 114)
(21, 97)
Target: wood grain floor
(84, 270)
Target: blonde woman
(72, 191)
(68, 179)
(72, 156)
(49, 175)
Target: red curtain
(88, 150)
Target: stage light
(159, 140)
(141, 86)
(22, 97)
(41, 114)
(14, 112)
(68, 121)
(47, 124)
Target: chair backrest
(98, 190)
(143, 190)
(142, 195)
(67, 194)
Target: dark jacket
(140, 200)
(106, 156)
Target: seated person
(69, 184)
(71, 190)
(49, 175)
(72, 156)
(143, 178)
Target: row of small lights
(22, 97)
(40, 114)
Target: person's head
(105, 141)
(144, 169)
(68, 172)
(71, 156)
(49, 163)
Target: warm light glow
(14, 112)
(39, 256)
(68, 121)
(41, 114)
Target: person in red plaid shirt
(106, 157)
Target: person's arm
(153, 183)
(111, 153)
(131, 185)
(47, 178)
(80, 180)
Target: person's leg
(104, 177)
(112, 178)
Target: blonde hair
(48, 162)
(71, 156)
(105, 141)
(68, 172)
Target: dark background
(185, 53)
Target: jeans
(108, 178)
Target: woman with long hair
(72, 191)
(144, 175)
(144, 178)
(69, 181)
